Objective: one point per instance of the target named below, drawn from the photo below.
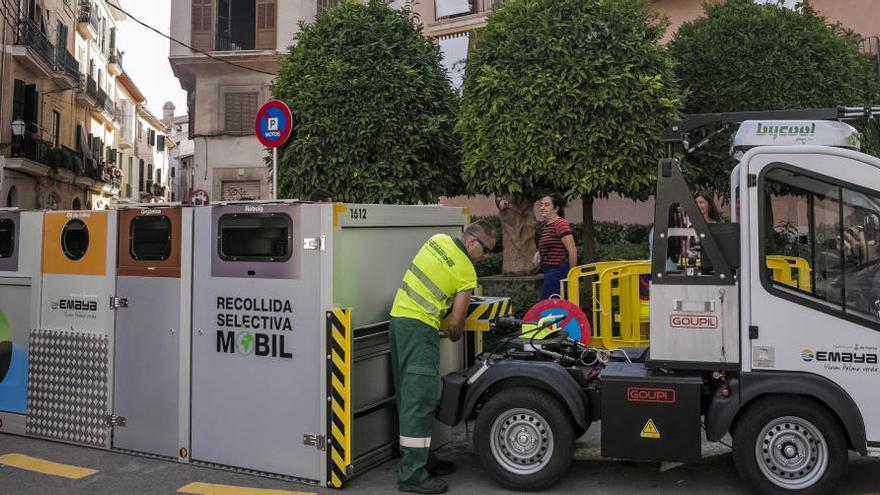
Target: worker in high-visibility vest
(441, 276)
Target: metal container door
(258, 339)
(148, 331)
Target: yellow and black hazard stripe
(338, 396)
(480, 314)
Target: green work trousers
(415, 363)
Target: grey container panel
(374, 430)
(147, 365)
(251, 411)
(372, 382)
(369, 263)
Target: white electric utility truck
(788, 366)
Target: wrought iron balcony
(86, 14)
(115, 57)
(65, 62)
(29, 35)
(92, 88)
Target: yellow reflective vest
(440, 270)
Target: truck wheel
(524, 438)
(790, 445)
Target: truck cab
(771, 334)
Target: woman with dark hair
(556, 249)
(706, 204)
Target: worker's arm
(568, 242)
(453, 325)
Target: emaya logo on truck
(839, 357)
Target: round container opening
(75, 239)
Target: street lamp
(18, 128)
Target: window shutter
(240, 111)
(160, 142)
(202, 32)
(266, 20)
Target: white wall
(181, 23)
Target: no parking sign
(273, 124)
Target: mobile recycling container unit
(291, 372)
(70, 358)
(19, 311)
(153, 297)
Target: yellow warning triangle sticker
(650, 430)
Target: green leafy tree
(743, 56)
(374, 110)
(567, 96)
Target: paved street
(124, 474)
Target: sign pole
(275, 173)
(273, 125)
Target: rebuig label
(695, 321)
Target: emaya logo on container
(248, 343)
(786, 130)
(76, 304)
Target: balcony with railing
(88, 25)
(34, 48)
(37, 157)
(105, 107)
(66, 68)
(88, 91)
(114, 62)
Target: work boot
(440, 467)
(429, 485)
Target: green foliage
(622, 251)
(374, 109)
(743, 56)
(566, 95)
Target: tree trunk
(588, 239)
(518, 232)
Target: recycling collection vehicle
(787, 365)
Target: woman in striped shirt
(556, 250)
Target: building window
(130, 169)
(56, 128)
(76, 205)
(240, 111)
(12, 197)
(326, 4)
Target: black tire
(540, 456)
(809, 444)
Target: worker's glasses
(486, 249)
